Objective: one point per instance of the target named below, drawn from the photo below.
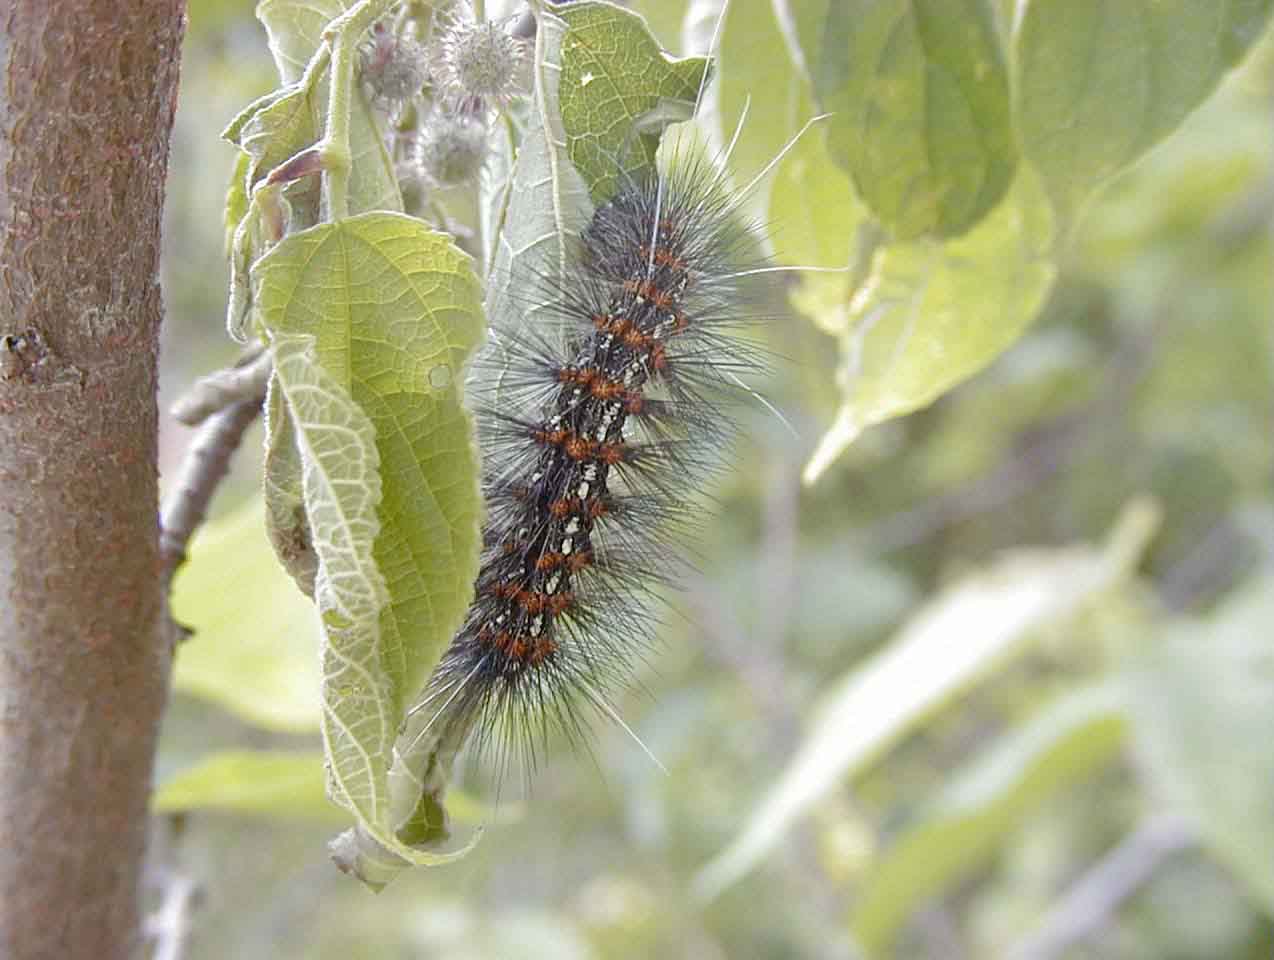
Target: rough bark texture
(87, 94)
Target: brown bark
(87, 94)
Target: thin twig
(169, 926)
(208, 458)
(213, 393)
(1098, 894)
(168, 929)
(225, 404)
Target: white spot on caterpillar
(608, 418)
(537, 625)
(553, 583)
(582, 492)
(567, 546)
(572, 525)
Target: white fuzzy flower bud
(450, 149)
(479, 61)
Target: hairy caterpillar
(596, 444)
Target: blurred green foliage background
(1009, 653)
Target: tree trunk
(87, 94)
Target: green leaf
(532, 214)
(1203, 707)
(919, 94)
(1068, 741)
(962, 636)
(932, 314)
(234, 129)
(295, 30)
(617, 82)
(813, 207)
(752, 46)
(252, 650)
(372, 320)
(393, 310)
(236, 198)
(818, 222)
(808, 201)
(273, 782)
(277, 132)
(1170, 201)
(1100, 82)
(282, 783)
(544, 207)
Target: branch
(1097, 895)
(169, 926)
(168, 929)
(240, 391)
(246, 380)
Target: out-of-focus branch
(1099, 893)
(757, 659)
(168, 929)
(170, 925)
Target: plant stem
(342, 35)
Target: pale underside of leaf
(383, 312)
(547, 207)
(286, 521)
(341, 485)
